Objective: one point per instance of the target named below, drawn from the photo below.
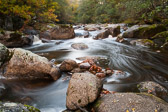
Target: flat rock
(79, 46)
(130, 102)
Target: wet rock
(153, 88)
(130, 102)
(143, 31)
(114, 31)
(103, 35)
(78, 70)
(85, 65)
(91, 28)
(15, 39)
(86, 34)
(101, 75)
(142, 42)
(27, 65)
(16, 107)
(45, 40)
(83, 89)
(4, 54)
(58, 32)
(79, 46)
(160, 39)
(68, 65)
(109, 72)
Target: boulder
(143, 31)
(59, 32)
(102, 35)
(30, 31)
(27, 65)
(68, 65)
(114, 31)
(160, 38)
(16, 107)
(142, 42)
(84, 88)
(79, 46)
(4, 54)
(15, 39)
(130, 102)
(153, 88)
(85, 65)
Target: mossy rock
(160, 39)
(143, 42)
(150, 31)
(16, 107)
(4, 54)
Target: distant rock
(79, 46)
(68, 65)
(59, 32)
(114, 31)
(130, 102)
(27, 65)
(84, 88)
(102, 35)
(143, 31)
(15, 39)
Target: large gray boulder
(27, 65)
(130, 102)
(59, 32)
(114, 31)
(143, 31)
(84, 88)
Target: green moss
(97, 104)
(32, 109)
(161, 35)
(150, 31)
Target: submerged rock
(143, 42)
(84, 88)
(15, 39)
(58, 32)
(130, 102)
(16, 107)
(154, 88)
(143, 31)
(160, 39)
(27, 65)
(79, 46)
(68, 65)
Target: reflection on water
(140, 64)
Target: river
(139, 63)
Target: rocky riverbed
(97, 68)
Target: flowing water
(139, 63)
